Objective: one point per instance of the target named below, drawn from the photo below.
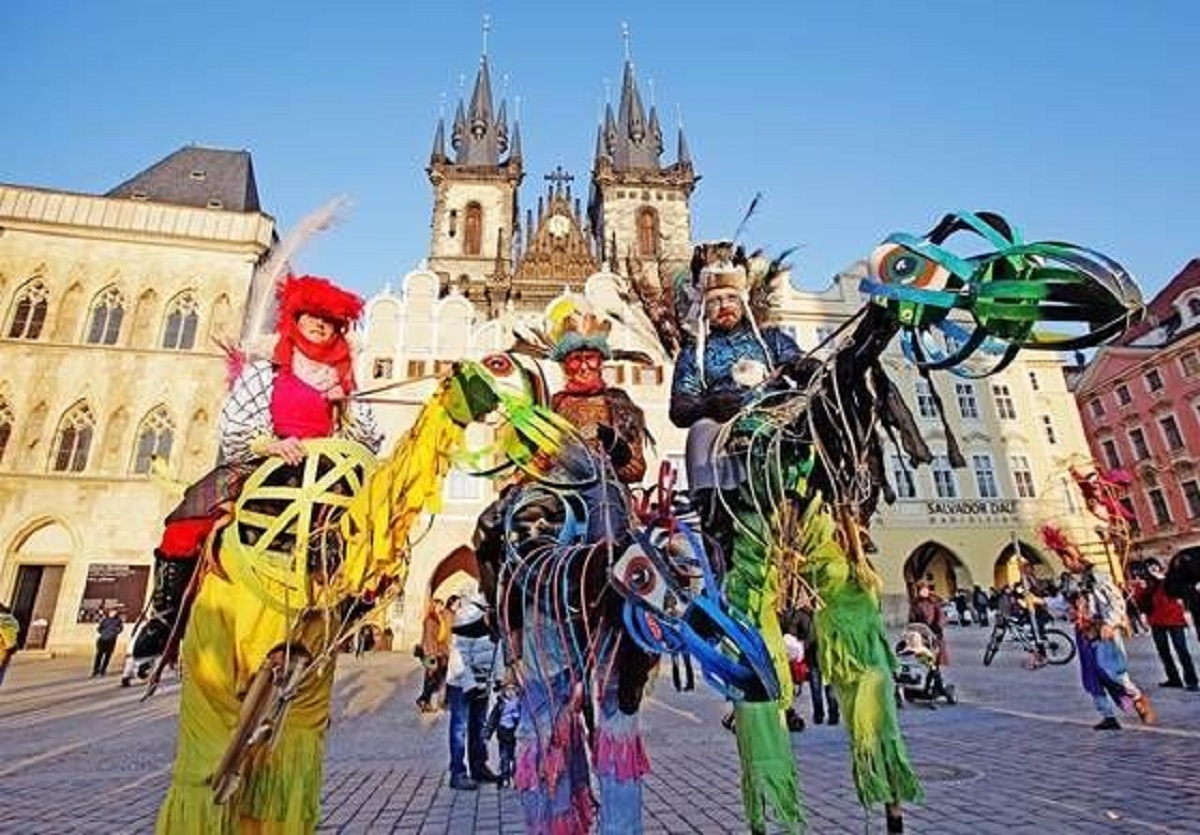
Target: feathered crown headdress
(571, 327)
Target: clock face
(558, 226)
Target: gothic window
(29, 311)
(647, 232)
(154, 439)
(73, 440)
(104, 320)
(6, 426)
(473, 230)
(985, 476)
(182, 318)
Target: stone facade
(123, 366)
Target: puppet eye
(896, 264)
(499, 364)
(640, 575)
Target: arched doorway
(40, 558)
(457, 569)
(937, 565)
(1018, 563)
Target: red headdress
(317, 297)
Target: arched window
(1194, 305)
(29, 311)
(473, 230)
(73, 440)
(104, 320)
(182, 318)
(154, 439)
(647, 232)
(6, 426)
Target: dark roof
(206, 178)
(1161, 307)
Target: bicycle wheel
(993, 645)
(1060, 649)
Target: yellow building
(112, 305)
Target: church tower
(639, 208)
(475, 209)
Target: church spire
(683, 156)
(634, 141)
(438, 154)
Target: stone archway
(37, 563)
(456, 569)
(934, 563)
(1019, 562)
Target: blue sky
(1076, 118)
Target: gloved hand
(723, 406)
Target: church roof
(206, 178)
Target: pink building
(1140, 405)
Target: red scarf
(334, 353)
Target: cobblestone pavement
(1017, 755)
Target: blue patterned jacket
(690, 389)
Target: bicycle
(1048, 643)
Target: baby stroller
(918, 677)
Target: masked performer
(300, 393)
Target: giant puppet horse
(309, 551)
(812, 468)
(591, 587)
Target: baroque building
(111, 378)
(1140, 401)
(1019, 431)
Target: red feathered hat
(317, 297)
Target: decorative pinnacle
(517, 108)
(650, 82)
(487, 27)
(625, 37)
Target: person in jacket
(1168, 626)
(468, 680)
(926, 608)
(107, 631)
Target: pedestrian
(825, 707)
(1168, 626)
(927, 609)
(688, 679)
(1100, 621)
(10, 628)
(502, 722)
(434, 650)
(960, 606)
(979, 602)
(364, 641)
(469, 670)
(110, 626)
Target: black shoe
(1109, 723)
(818, 718)
(486, 776)
(795, 723)
(1192, 688)
(1170, 683)
(895, 824)
(833, 719)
